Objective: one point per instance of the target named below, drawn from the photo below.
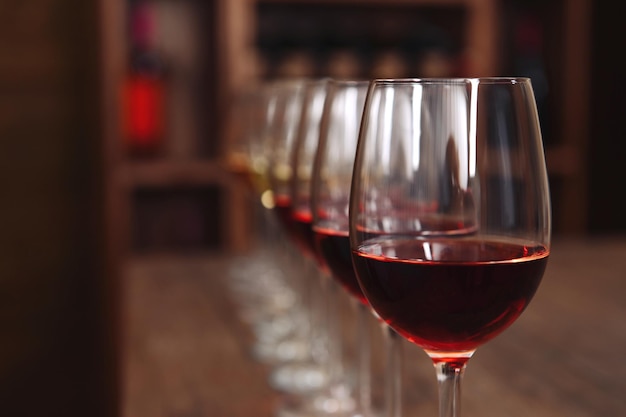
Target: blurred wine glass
(294, 200)
(306, 374)
(330, 193)
(333, 155)
(259, 279)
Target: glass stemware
(265, 283)
(450, 217)
(307, 374)
(330, 191)
(257, 277)
(336, 398)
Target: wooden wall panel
(55, 355)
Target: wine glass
(257, 278)
(336, 398)
(307, 374)
(329, 198)
(450, 217)
(251, 272)
(264, 282)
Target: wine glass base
(334, 406)
(336, 401)
(319, 407)
(294, 408)
(299, 378)
(285, 351)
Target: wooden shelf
(168, 173)
(563, 357)
(236, 63)
(374, 2)
(238, 25)
(187, 167)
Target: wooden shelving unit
(566, 29)
(239, 20)
(176, 167)
(234, 29)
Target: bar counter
(186, 353)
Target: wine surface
(449, 295)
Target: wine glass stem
(334, 363)
(269, 227)
(393, 371)
(449, 376)
(313, 301)
(363, 349)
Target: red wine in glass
(284, 211)
(334, 248)
(282, 208)
(302, 219)
(297, 224)
(307, 240)
(449, 295)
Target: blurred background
(114, 123)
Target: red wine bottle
(143, 90)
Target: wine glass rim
(349, 81)
(285, 82)
(453, 80)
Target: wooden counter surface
(186, 353)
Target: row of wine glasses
(273, 297)
(426, 203)
(292, 153)
(278, 153)
(327, 105)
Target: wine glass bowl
(330, 191)
(332, 175)
(302, 159)
(450, 213)
(468, 291)
(294, 120)
(266, 298)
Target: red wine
(297, 225)
(285, 213)
(449, 295)
(334, 249)
(282, 208)
(303, 233)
